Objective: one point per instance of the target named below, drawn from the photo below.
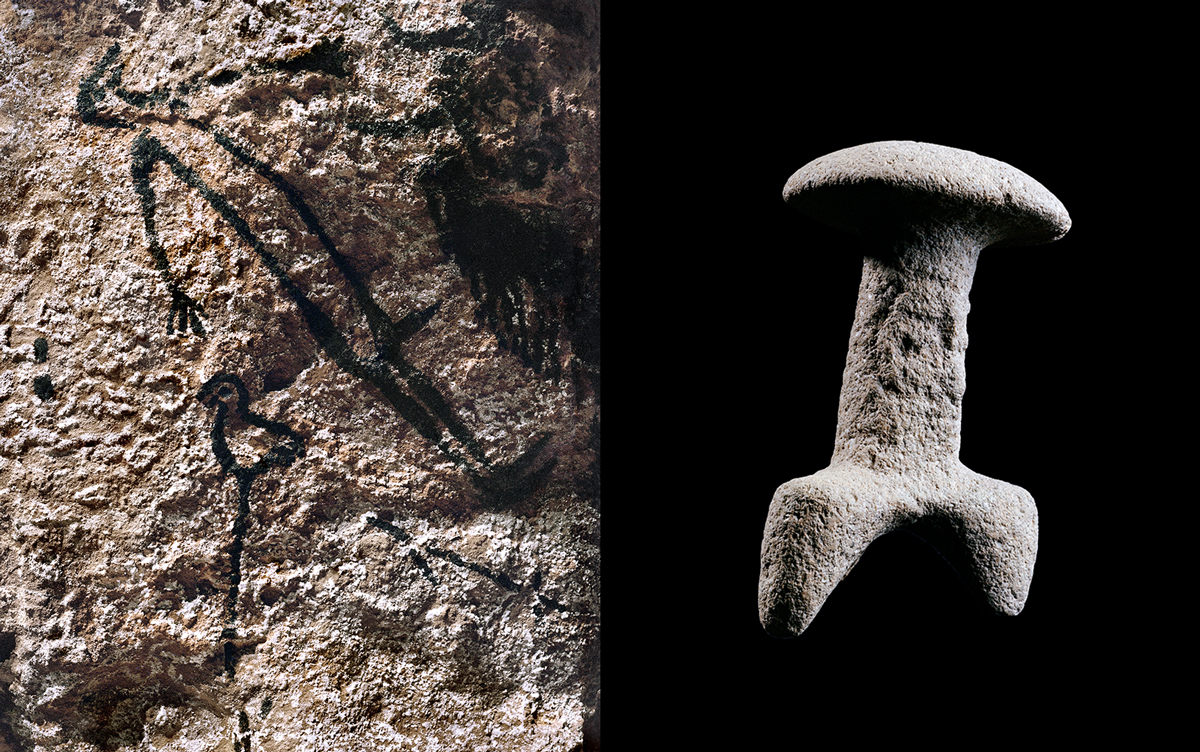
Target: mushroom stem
(902, 390)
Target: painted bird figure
(228, 394)
(234, 421)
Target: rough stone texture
(925, 213)
(880, 191)
(299, 375)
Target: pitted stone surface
(299, 375)
(877, 189)
(925, 212)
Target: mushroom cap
(878, 190)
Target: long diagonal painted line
(386, 332)
(148, 151)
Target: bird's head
(224, 389)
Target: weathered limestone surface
(299, 375)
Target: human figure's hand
(187, 310)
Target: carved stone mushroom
(925, 212)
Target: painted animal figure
(229, 396)
(410, 392)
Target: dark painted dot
(40, 350)
(225, 77)
(43, 387)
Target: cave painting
(411, 393)
(229, 396)
(473, 232)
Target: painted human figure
(411, 393)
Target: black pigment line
(215, 392)
(242, 742)
(326, 57)
(389, 528)
(425, 409)
(224, 78)
(387, 334)
(499, 578)
(147, 151)
(551, 603)
(418, 124)
(404, 537)
(422, 565)
(535, 583)
(91, 92)
(486, 30)
(43, 385)
(418, 41)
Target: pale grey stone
(925, 212)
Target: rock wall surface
(299, 375)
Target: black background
(1077, 354)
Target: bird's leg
(227, 393)
(245, 478)
(187, 309)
